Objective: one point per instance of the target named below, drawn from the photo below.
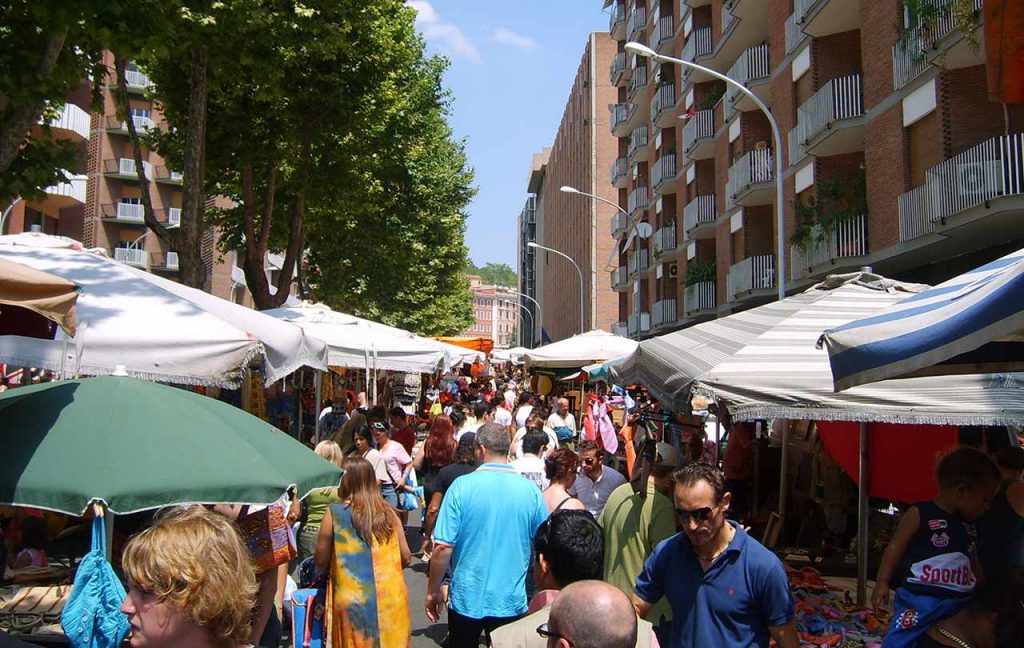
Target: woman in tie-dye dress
(362, 545)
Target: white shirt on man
(555, 421)
(522, 414)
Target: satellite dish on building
(644, 230)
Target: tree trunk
(124, 113)
(193, 271)
(15, 128)
(254, 261)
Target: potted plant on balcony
(836, 200)
(700, 272)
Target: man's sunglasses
(700, 515)
(543, 631)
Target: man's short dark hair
(397, 412)
(1010, 458)
(573, 545)
(587, 446)
(966, 466)
(693, 473)
(534, 440)
(481, 409)
(494, 438)
(378, 413)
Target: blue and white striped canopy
(969, 324)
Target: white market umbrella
(158, 329)
(580, 350)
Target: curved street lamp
(534, 244)
(540, 314)
(524, 310)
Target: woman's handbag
(92, 617)
(265, 531)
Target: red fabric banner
(901, 458)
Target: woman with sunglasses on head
(364, 448)
(396, 460)
(560, 468)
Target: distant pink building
(495, 311)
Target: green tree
(495, 274)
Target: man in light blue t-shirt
(485, 529)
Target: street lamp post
(534, 244)
(643, 50)
(525, 310)
(540, 313)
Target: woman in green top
(317, 502)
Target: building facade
(496, 313)
(574, 224)
(101, 205)
(894, 157)
(529, 336)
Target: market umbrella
(40, 292)
(969, 324)
(580, 350)
(135, 445)
(158, 329)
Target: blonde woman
(190, 582)
(362, 546)
(314, 504)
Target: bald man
(591, 614)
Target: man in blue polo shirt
(725, 588)
(485, 529)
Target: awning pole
(718, 442)
(862, 519)
(783, 474)
(318, 376)
(298, 399)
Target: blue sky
(513, 63)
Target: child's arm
(909, 523)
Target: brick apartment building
(101, 205)
(496, 313)
(571, 223)
(885, 119)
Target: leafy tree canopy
(496, 274)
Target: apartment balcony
(750, 277)
(166, 176)
(165, 262)
(65, 194)
(700, 298)
(823, 17)
(124, 213)
(665, 240)
(826, 252)
(699, 135)
(72, 123)
(620, 329)
(663, 174)
(697, 45)
(989, 176)
(133, 257)
(744, 25)
(119, 127)
(617, 21)
(663, 34)
(699, 218)
(831, 122)
(663, 313)
(617, 69)
(663, 105)
(174, 216)
(639, 200)
(937, 39)
(124, 169)
(752, 69)
(637, 82)
(794, 35)
(639, 262)
(639, 140)
(137, 82)
(620, 168)
(619, 224)
(750, 179)
(639, 323)
(620, 119)
(620, 279)
(636, 24)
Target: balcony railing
(132, 212)
(639, 200)
(639, 261)
(639, 323)
(638, 139)
(977, 176)
(664, 170)
(637, 22)
(619, 168)
(664, 312)
(174, 216)
(665, 240)
(794, 35)
(617, 68)
(136, 79)
(698, 44)
(74, 188)
(126, 167)
(620, 329)
(664, 99)
(638, 79)
(727, 17)
(171, 261)
(910, 53)
(699, 211)
(620, 114)
(620, 278)
(663, 33)
(848, 238)
(754, 167)
(752, 64)
(700, 296)
(132, 256)
(618, 15)
(752, 273)
(164, 174)
(619, 224)
(701, 125)
(74, 119)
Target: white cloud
(509, 37)
(448, 37)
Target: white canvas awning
(579, 350)
(158, 329)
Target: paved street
(424, 633)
